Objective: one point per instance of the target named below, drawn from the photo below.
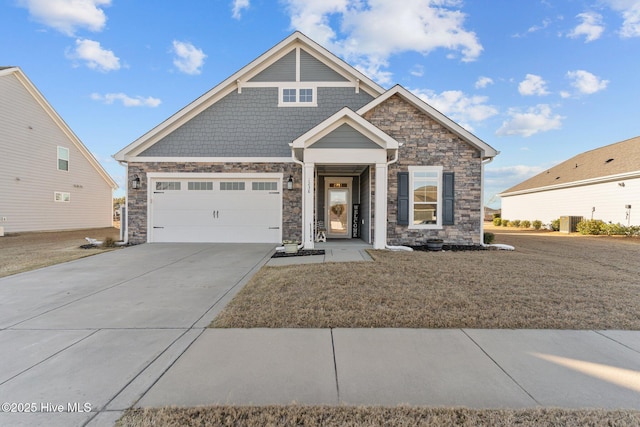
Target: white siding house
(599, 184)
(48, 180)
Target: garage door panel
(216, 214)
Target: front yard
(551, 281)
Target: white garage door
(216, 210)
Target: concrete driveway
(80, 342)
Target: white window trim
(438, 224)
(62, 198)
(58, 158)
(297, 103)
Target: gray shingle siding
(313, 70)
(345, 137)
(283, 70)
(251, 124)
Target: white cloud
(483, 82)
(189, 59)
(458, 106)
(95, 56)
(373, 30)
(585, 82)
(126, 100)
(536, 119)
(630, 10)
(533, 85)
(591, 27)
(417, 71)
(67, 16)
(238, 6)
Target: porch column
(380, 222)
(308, 205)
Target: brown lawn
(21, 252)
(551, 281)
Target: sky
(539, 80)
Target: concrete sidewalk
(334, 251)
(470, 368)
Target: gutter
(390, 247)
(125, 239)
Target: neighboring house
(48, 179)
(299, 140)
(599, 184)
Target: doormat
(302, 252)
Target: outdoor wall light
(290, 183)
(135, 182)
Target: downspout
(126, 202)
(396, 248)
(295, 160)
(484, 163)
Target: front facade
(599, 184)
(299, 142)
(48, 179)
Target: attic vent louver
(609, 161)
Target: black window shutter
(447, 198)
(403, 198)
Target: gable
(345, 137)
(614, 160)
(283, 70)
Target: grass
(551, 281)
(372, 416)
(20, 252)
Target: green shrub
(525, 224)
(497, 221)
(537, 224)
(488, 238)
(497, 215)
(505, 222)
(597, 227)
(514, 223)
(591, 226)
(555, 224)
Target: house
(599, 184)
(299, 141)
(48, 180)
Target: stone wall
(429, 143)
(291, 199)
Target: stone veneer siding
(291, 199)
(429, 143)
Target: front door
(338, 203)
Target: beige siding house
(599, 184)
(48, 180)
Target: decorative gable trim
(242, 79)
(351, 118)
(60, 123)
(486, 150)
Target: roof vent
(609, 161)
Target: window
(306, 95)
(200, 186)
(290, 97)
(63, 159)
(425, 201)
(229, 186)
(264, 186)
(59, 196)
(164, 186)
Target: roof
(486, 150)
(611, 162)
(239, 80)
(22, 77)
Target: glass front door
(338, 207)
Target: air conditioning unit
(569, 224)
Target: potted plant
(290, 246)
(434, 244)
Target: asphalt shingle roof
(621, 157)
